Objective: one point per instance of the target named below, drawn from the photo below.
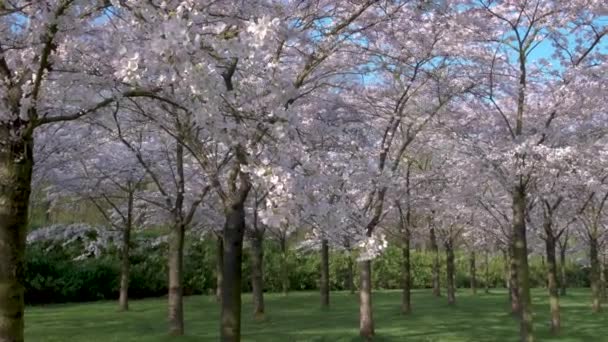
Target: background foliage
(52, 276)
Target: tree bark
(435, 267)
(16, 164)
(513, 284)
(487, 269)
(406, 223)
(324, 283)
(596, 304)
(563, 248)
(473, 272)
(219, 267)
(603, 280)
(257, 274)
(552, 279)
(449, 251)
(284, 268)
(123, 299)
(366, 319)
(406, 305)
(562, 268)
(176, 265)
(543, 267)
(506, 271)
(520, 255)
(234, 229)
(350, 276)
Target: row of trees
(482, 121)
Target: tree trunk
(603, 279)
(552, 280)
(520, 255)
(473, 273)
(487, 269)
(449, 251)
(543, 267)
(513, 285)
(562, 268)
(219, 267)
(176, 265)
(350, 276)
(366, 319)
(406, 305)
(324, 284)
(507, 269)
(595, 275)
(234, 229)
(16, 163)
(435, 270)
(123, 299)
(257, 274)
(284, 268)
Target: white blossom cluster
(92, 240)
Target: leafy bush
(53, 276)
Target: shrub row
(53, 276)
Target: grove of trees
(468, 126)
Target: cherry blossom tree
(55, 65)
(415, 82)
(528, 96)
(263, 60)
(178, 188)
(464, 119)
(108, 176)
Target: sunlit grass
(298, 317)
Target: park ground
(298, 317)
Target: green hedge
(53, 276)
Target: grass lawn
(299, 318)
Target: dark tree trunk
(406, 305)
(284, 267)
(366, 318)
(520, 255)
(603, 279)
(176, 264)
(406, 223)
(234, 229)
(552, 279)
(257, 274)
(219, 267)
(513, 284)
(123, 299)
(543, 267)
(473, 272)
(350, 274)
(507, 270)
(562, 268)
(435, 267)
(596, 303)
(563, 248)
(16, 163)
(450, 268)
(487, 269)
(324, 283)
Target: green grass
(299, 318)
